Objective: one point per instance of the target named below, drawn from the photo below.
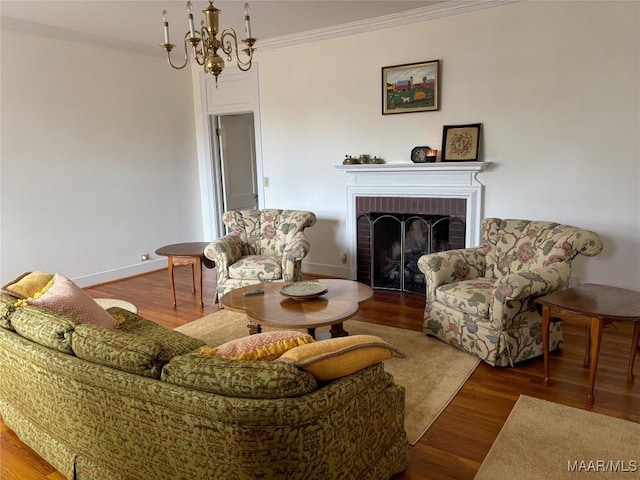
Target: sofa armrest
(532, 283)
(451, 266)
(295, 250)
(224, 251)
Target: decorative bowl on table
(303, 290)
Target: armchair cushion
(256, 266)
(469, 296)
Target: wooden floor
(456, 444)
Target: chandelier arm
(229, 33)
(177, 67)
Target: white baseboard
(337, 271)
(120, 273)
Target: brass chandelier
(205, 43)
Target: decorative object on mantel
(362, 159)
(460, 143)
(413, 87)
(423, 155)
(207, 54)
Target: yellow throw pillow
(28, 285)
(262, 346)
(338, 357)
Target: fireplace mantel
(422, 180)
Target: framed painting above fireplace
(413, 87)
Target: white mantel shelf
(430, 180)
(414, 167)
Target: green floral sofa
(140, 402)
(262, 246)
(482, 300)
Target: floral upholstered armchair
(262, 246)
(482, 300)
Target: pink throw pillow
(66, 298)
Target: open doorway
(235, 172)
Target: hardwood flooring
(456, 444)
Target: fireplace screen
(397, 241)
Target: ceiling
(140, 21)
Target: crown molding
(49, 31)
(447, 8)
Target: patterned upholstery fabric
(95, 422)
(44, 327)
(269, 244)
(238, 378)
(482, 299)
(6, 310)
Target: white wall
(555, 85)
(98, 159)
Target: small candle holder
(423, 155)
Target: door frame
(236, 92)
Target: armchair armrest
(451, 266)
(296, 249)
(514, 294)
(532, 283)
(224, 251)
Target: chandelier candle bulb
(192, 28)
(165, 20)
(247, 21)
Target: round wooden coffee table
(190, 253)
(272, 309)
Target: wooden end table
(272, 309)
(594, 305)
(179, 254)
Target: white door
(236, 140)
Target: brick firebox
(393, 232)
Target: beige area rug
(432, 373)
(545, 440)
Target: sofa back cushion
(137, 346)
(255, 379)
(43, 326)
(516, 245)
(267, 232)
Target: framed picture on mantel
(460, 143)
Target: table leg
(173, 285)
(312, 332)
(545, 343)
(199, 268)
(587, 349)
(254, 328)
(634, 349)
(596, 337)
(338, 330)
(193, 278)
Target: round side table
(192, 253)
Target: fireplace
(393, 233)
(398, 212)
